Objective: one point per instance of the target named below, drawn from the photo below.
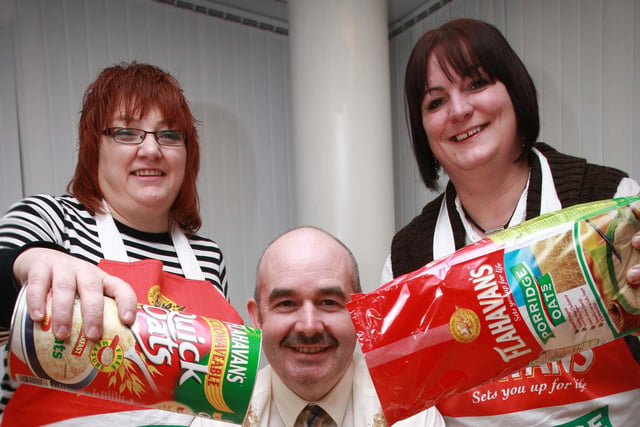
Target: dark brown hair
(461, 46)
(137, 88)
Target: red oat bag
(187, 352)
(547, 288)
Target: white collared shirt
(286, 405)
(351, 403)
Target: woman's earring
(523, 146)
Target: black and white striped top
(65, 221)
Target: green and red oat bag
(549, 287)
(201, 364)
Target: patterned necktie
(314, 416)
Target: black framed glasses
(132, 136)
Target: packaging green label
(597, 418)
(533, 301)
(228, 373)
(548, 292)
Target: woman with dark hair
(473, 113)
(132, 197)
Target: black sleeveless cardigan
(576, 182)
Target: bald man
(304, 279)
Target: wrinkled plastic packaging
(168, 359)
(547, 288)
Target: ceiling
(277, 9)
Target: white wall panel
(10, 165)
(584, 58)
(550, 53)
(235, 77)
(617, 79)
(591, 54)
(569, 99)
(635, 91)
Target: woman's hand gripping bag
(552, 286)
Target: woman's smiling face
(141, 182)
(469, 120)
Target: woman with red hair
(132, 197)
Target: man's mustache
(317, 339)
